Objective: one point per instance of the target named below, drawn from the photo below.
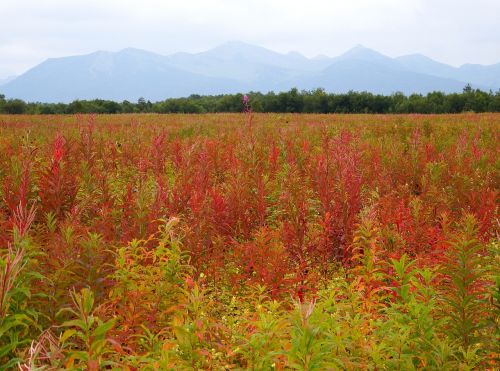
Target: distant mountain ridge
(238, 67)
(6, 80)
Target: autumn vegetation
(249, 241)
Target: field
(249, 241)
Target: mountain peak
(321, 57)
(362, 52)
(238, 51)
(359, 46)
(135, 52)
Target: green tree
(15, 107)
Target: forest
(293, 101)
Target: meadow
(249, 241)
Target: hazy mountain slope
(260, 68)
(363, 69)
(361, 53)
(238, 67)
(7, 80)
(486, 76)
(363, 75)
(128, 74)
(422, 64)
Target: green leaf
(67, 334)
(10, 364)
(6, 349)
(80, 355)
(102, 329)
(76, 323)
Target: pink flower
(246, 104)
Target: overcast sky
(450, 31)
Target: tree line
(292, 101)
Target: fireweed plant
(249, 241)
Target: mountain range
(238, 67)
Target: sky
(449, 31)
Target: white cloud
(454, 32)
